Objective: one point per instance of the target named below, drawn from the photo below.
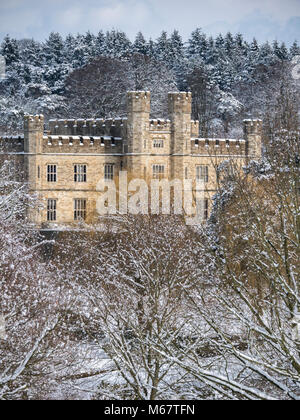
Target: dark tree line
(228, 76)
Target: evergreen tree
(100, 43)
(254, 48)
(176, 49)
(280, 50)
(219, 43)
(197, 44)
(69, 47)
(151, 48)
(229, 44)
(239, 41)
(162, 47)
(79, 54)
(266, 55)
(294, 50)
(117, 44)
(140, 45)
(10, 50)
(27, 74)
(53, 49)
(90, 47)
(276, 48)
(32, 53)
(211, 54)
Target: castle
(64, 164)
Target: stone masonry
(101, 148)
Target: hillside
(87, 75)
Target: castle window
(79, 209)
(158, 171)
(80, 173)
(51, 173)
(158, 143)
(109, 171)
(202, 173)
(51, 210)
(39, 171)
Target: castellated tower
(180, 108)
(33, 133)
(138, 114)
(33, 147)
(253, 137)
(33, 141)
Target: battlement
(252, 126)
(138, 101)
(88, 127)
(33, 122)
(82, 144)
(214, 146)
(160, 125)
(180, 102)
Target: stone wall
(127, 144)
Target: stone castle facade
(64, 164)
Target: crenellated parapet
(82, 144)
(218, 147)
(180, 103)
(88, 127)
(138, 101)
(253, 126)
(160, 125)
(33, 123)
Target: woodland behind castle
(87, 75)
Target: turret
(253, 137)
(180, 108)
(138, 113)
(33, 146)
(33, 133)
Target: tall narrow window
(79, 209)
(51, 210)
(80, 173)
(109, 171)
(205, 209)
(158, 171)
(51, 173)
(202, 173)
(38, 171)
